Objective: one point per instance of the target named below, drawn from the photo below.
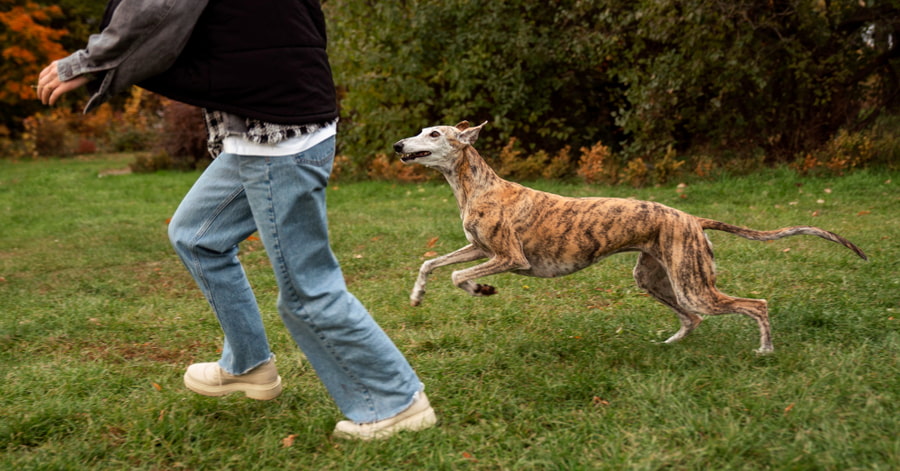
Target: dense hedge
(754, 77)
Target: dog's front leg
(465, 254)
(463, 278)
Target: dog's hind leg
(465, 254)
(652, 277)
(693, 281)
(713, 302)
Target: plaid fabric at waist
(220, 125)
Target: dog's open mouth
(414, 155)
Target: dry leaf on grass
(288, 440)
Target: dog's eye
(435, 134)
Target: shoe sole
(419, 421)
(260, 392)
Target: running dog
(533, 233)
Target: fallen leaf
(788, 408)
(156, 386)
(599, 401)
(430, 253)
(820, 201)
(469, 456)
(787, 250)
(863, 213)
(252, 238)
(357, 255)
(815, 213)
(288, 441)
(828, 190)
(431, 242)
(792, 203)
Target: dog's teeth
(414, 155)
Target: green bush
(781, 77)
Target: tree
(640, 76)
(781, 76)
(28, 44)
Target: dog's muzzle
(409, 156)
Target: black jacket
(262, 59)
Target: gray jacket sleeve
(143, 39)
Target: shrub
(560, 165)
(514, 165)
(666, 168)
(49, 134)
(385, 168)
(845, 151)
(151, 162)
(137, 126)
(184, 136)
(780, 76)
(596, 165)
(635, 173)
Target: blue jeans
(283, 198)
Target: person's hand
(50, 88)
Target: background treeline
(610, 91)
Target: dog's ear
(470, 135)
(462, 125)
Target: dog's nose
(398, 147)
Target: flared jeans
(283, 199)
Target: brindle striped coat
(541, 234)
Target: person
(260, 72)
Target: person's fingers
(65, 87)
(48, 81)
(50, 88)
(50, 69)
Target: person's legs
(365, 373)
(205, 230)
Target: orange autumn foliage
(27, 45)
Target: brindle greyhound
(540, 234)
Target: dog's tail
(781, 233)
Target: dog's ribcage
(560, 235)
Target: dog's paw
(484, 290)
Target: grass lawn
(98, 320)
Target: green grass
(98, 321)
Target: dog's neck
(469, 176)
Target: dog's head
(438, 146)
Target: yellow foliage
(596, 165)
(635, 172)
(845, 151)
(559, 165)
(667, 167)
(385, 168)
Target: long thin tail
(781, 233)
